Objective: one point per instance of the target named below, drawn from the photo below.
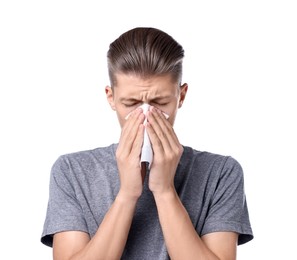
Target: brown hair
(145, 51)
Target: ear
(110, 97)
(182, 94)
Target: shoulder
(99, 151)
(207, 157)
(212, 162)
(85, 160)
(88, 155)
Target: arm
(109, 240)
(111, 236)
(180, 236)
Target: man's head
(145, 66)
(145, 52)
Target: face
(132, 91)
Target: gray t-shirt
(83, 186)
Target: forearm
(181, 238)
(110, 239)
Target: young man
(107, 204)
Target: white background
(241, 66)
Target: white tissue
(146, 152)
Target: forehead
(128, 84)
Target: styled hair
(145, 52)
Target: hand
(167, 152)
(128, 156)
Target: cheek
(171, 111)
(121, 119)
(172, 117)
(122, 114)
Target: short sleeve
(228, 210)
(64, 212)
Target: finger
(129, 131)
(137, 144)
(161, 129)
(157, 145)
(166, 126)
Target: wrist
(126, 197)
(165, 194)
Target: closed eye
(160, 103)
(129, 101)
(130, 104)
